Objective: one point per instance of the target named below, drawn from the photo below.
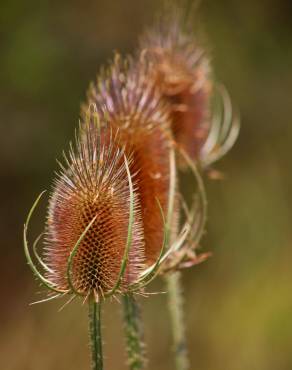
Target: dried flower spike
(95, 185)
(89, 220)
(133, 104)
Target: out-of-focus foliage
(239, 303)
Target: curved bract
(183, 248)
(224, 128)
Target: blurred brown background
(239, 303)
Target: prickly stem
(133, 333)
(176, 310)
(94, 316)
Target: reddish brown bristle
(94, 185)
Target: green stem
(94, 316)
(175, 296)
(134, 333)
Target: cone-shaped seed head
(132, 103)
(181, 70)
(93, 184)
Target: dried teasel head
(95, 185)
(181, 68)
(132, 103)
(94, 236)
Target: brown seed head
(181, 69)
(133, 104)
(94, 184)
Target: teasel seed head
(93, 187)
(133, 105)
(182, 70)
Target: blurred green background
(239, 303)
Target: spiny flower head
(181, 69)
(133, 104)
(93, 189)
(94, 238)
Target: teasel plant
(204, 128)
(93, 238)
(94, 244)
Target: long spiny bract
(93, 186)
(132, 103)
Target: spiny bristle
(126, 96)
(93, 184)
(181, 69)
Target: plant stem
(175, 297)
(94, 316)
(133, 333)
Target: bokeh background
(239, 303)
